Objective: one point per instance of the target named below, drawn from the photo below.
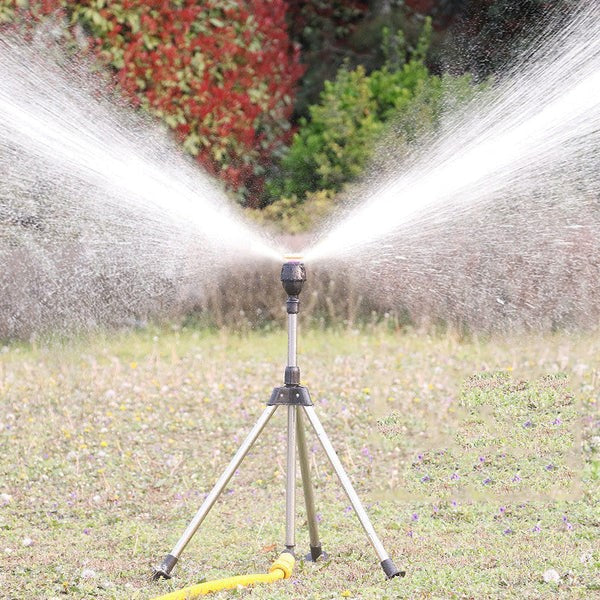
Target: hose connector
(284, 563)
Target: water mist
(493, 219)
(99, 211)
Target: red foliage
(221, 73)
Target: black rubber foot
(315, 553)
(390, 569)
(290, 550)
(166, 566)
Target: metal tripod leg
(290, 490)
(386, 563)
(171, 559)
(309, 500)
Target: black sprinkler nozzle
(293, 276)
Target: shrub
(335, 143)
(291, 216)
(220, 73)
(332, 147)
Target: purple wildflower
(536, 529)
(486, 481)
(454, 476)
(415, 517)
(516, 479)
(425, 479)
(556, 421)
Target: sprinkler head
(293, 276)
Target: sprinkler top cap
(293, 276)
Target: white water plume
(90, 191)
(534, 136)
(493, 222)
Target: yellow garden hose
(280, 569)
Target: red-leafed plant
(220, 73)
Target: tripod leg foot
(166, 566)
(315, 553)
(390, 569)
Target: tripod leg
(309, 500)
(290, 496)
(171, 559)
(386, 563)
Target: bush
(332, 147)
(220, 73)
(335, 144)
(291, 215)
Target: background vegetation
(234, 79)
(221, 73)
(286, 102)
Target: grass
(107, 447)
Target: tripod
(297, 400)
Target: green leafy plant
(336, 142)
(293, 215)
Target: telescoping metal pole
(293, 275)
(292, 377)
(292, 339)
(290, 495)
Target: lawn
(478, 461)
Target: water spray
(296, 398)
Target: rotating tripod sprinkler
(299, 404)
